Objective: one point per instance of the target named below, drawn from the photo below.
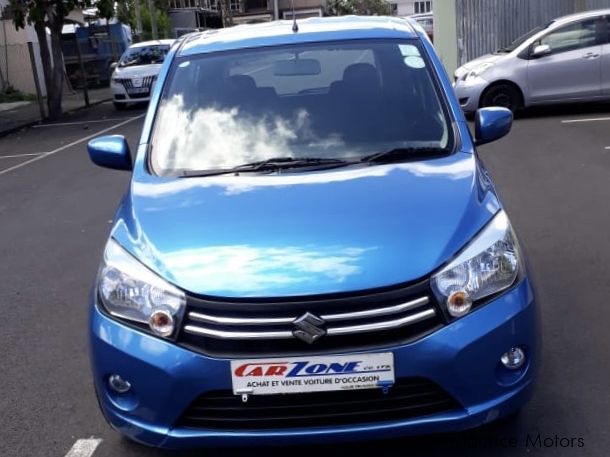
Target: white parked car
(136, 72)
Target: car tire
(120, 106)
(503, 95)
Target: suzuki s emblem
(308, 328)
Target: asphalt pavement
(552, 173)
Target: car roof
(421, 15)
(152, 43)
(575, 17)
(310, 30)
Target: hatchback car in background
(426, 20)
(568, 60)
(136, 72)
(309, 250)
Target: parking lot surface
(552, 173)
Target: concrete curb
(27, 124)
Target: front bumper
(469, 93)
(462, 358)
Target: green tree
(361, 7)
(126, 13)
(105, 10)
(42, 14)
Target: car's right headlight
(128, 290)
(488, 265)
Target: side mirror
(541, 50)
(110, 151)
(491, 124)
(113, 65)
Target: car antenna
(295, 26)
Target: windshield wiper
(399, 154)
(272, 164)
(287, 162)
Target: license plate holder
(293, 375)
(141, 90)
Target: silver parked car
(566, 61)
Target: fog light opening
(459, 303)
(514, 358)
(118, 384)
(161, 322)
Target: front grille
(344, 323)
(407, 399)
(127, 83)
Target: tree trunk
(45, 56)
(54, 95)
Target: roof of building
(310, 30)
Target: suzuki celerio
(309, 249)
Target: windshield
(324, 100)
(522, 39)
(144, 55)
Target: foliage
(43, 15)
(10, 94)
(360, 7)
(105, 9)
(126, 13)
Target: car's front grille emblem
(308, 328)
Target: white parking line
(95, 121)
(55, 151)
(593, 119)
(84, 448)
(23, 155)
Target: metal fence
(486, 25)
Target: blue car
(309, 250)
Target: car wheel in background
(503, 95)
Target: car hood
(305, 233)
(137, 71)
(487, 58)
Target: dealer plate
(291, 375)
(141, 90)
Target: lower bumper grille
(408, 398)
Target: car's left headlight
(488, 265)
(130, 291)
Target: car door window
(575, 36)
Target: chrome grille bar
(376, 312)
(369, 313)
(393, 324)
(222, 334)
(379, 326)
(240, 320)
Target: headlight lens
(489, 264)
(478, 71)
(131, 291)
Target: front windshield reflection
(212, 138)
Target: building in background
(190, 15)
(15, 63)
(409, 7)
